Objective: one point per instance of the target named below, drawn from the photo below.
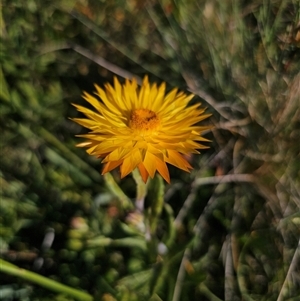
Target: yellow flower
(142, 127)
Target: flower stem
(156, 191)
(52, 285)
(117, 191)
(141, 192)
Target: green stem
(114, 188)
(141, 188)
(52, 285)
(157, 201)
(128, 242)
(171, 230)
(69, 155)
(207, 293)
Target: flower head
(141, 127)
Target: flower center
(143, 119)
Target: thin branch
(290, 270)
(224, 179)
(104, 63)
(206, 181)
(93, 57)
(42, 281)
(181, 275)
(229, 273)
(186, 206)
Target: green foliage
(227, 231)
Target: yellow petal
(130, 163)
(163, 169)
(117, 154)
(143, 172)
(84, 144)
(150, 163)
(110, 166)
(177, 160)
(93, 101)
(87, 123)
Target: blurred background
(230, 230)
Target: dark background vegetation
(231, 227)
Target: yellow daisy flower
(141, 127)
